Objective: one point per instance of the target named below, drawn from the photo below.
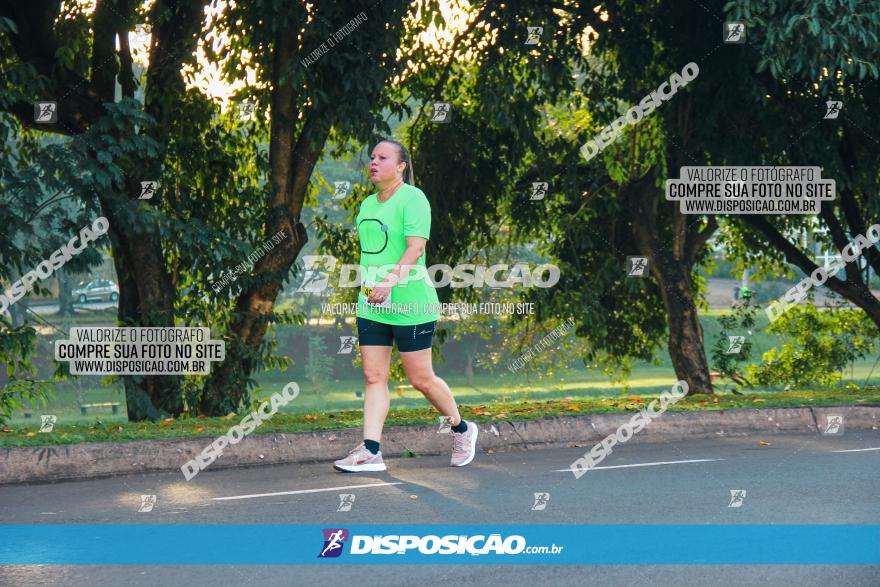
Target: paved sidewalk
(99, 459)
(799, 478)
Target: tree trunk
(671, 262)
(145, 299)
(290, 170)
(65, 300)
(17, 310)
(685, 331)
(146, 293)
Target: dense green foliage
(819, 345)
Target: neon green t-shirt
(382, 231)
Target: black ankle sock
(372, 446)
(462, 427)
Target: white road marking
(570, 470)
(383, 484)
(857, 449)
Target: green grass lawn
(104, 430)
(503, 388)
(342, 395)
(338, 396)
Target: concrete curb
(101, 459)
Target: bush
(16, 347)
(818, 345)
(738, 323)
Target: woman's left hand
(381, 292)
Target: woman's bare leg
(377, 400)
(420, 372)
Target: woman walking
(394, 224)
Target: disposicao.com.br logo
(318, 270)
(480, 544)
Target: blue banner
(601, 544)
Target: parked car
(97, 289)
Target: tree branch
(857, 293)
(840, 240)
(696, 240)
(104, 66)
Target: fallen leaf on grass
(5, 429)
(310, 417)
(166, 421)
(702, 404)
(573, 409)
(229, 416)
(757, 400)
(200, 428)
(31, 433)
(634, 398)
(763, 443)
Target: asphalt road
(796, 479)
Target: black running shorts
(409, 338)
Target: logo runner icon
(833, 424)
(346, 345)
(46, 112)
(833, 109)
(346, 500)
(317, 273)
(342, 189)
(541, 500)
(539, 190)
(735, 344)
(737, 497)
(734, 32)
(442, 112)
(147, 503)
(534, 34)
(637, 266)
(47, 423)
(334, 540)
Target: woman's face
(385, 167)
